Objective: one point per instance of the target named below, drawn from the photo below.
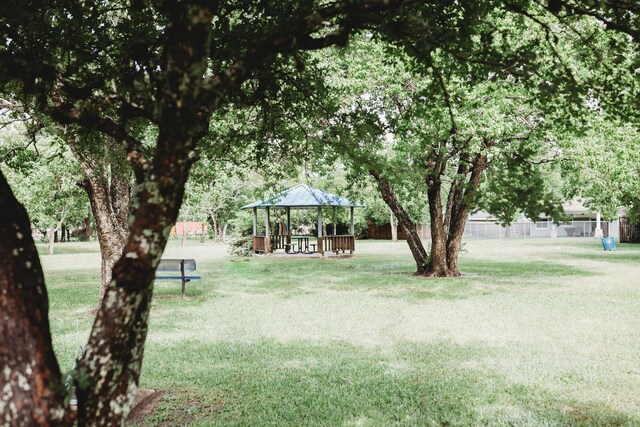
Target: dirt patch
(191, 410)
(146, 401)
(171, 408)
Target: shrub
(239, 245)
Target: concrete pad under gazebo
(302, 197)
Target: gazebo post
(352, 231)
(288, 224)
(334, 222)
(351, 227)
(267, 231)
(320, 242)
(255, 221)
(255, 229)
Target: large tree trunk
(114, 353)
(438, 256)
(413, 239)
(31, 390)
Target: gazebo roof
(303, 196)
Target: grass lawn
(538, 332)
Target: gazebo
(302, 197)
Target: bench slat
(179, 277)
(174, 265)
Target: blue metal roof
(303, 196)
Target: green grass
(536, 333)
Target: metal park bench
(177, 266)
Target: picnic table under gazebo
(302, 197)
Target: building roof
(302, 196)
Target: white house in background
(582, 222)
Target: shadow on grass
(302, 384)
(609, 256)
(533, 269)
(387, 276)
(66, 248)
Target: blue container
(608, 244)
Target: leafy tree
(167, 64)
(45, 177)
(603, 168)
(430, 128)
(216, 190)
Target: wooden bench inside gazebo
(302, 197)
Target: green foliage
(240, 245)
(518, 184)
(46, 181)
(405, 117)
(603, 167)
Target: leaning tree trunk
(114, 353)
(108, 189)
(413, 239)
(460, 211)
(113, 357)
(31, 389)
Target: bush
(239, 245)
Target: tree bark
(438, 256)
(87, 229)
(413, 239)
(31, 389)
(108, 187)
(461, 212)
(114, 353)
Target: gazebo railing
(261, 244)
(346, 242)
(278, 241)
